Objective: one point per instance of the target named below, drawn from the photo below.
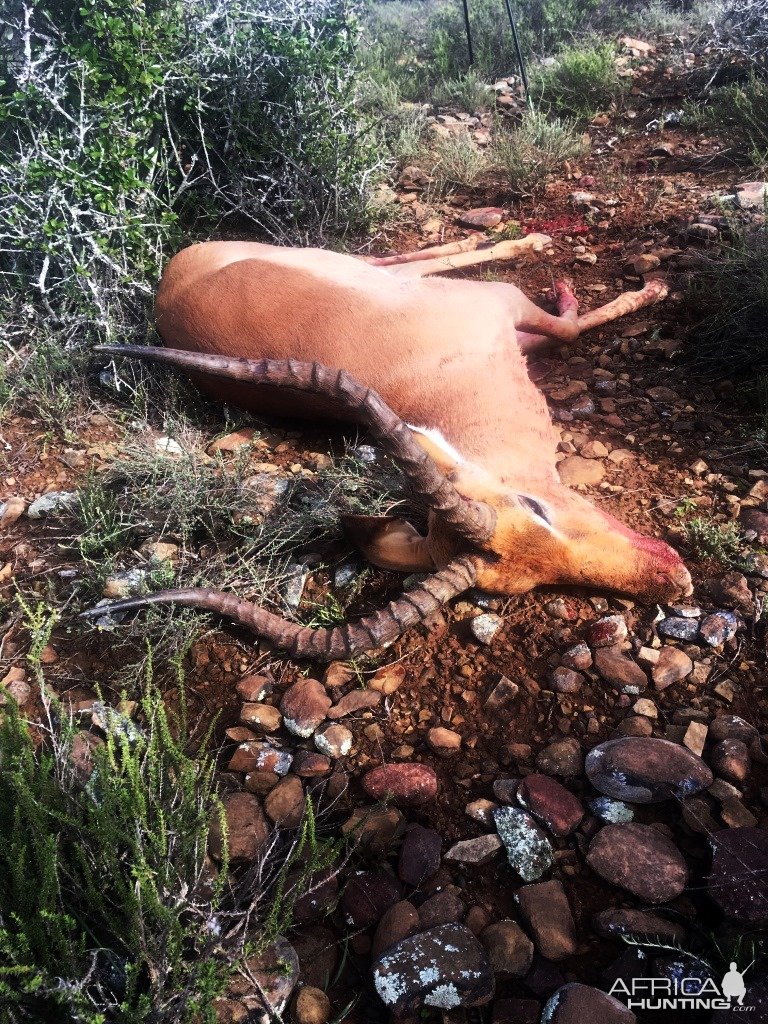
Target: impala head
(503, 538)
(552, 535)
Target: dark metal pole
(465, 5)
(519, 51)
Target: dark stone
(731, 727)
(640, 859)
(516, 1011)
(718, 627)
(551, 803)
(398, 923)
(318, 950)
(737, 880)
(679, 628)
(445, 968)
(510, 951)
(730, 760)
(645, 770)
(367, 895)
(247, 828)
(544, 977)
(575, 1003)
(444, 907)
(546, 909)
(637, 924)
(419, 855)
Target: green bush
(741, 112)
(419, 45)
(727, 301)
(536, 149)
(107, 911)
(124, 126)
(467, 92)
(582, 81)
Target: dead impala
(435, 370)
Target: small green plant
(710, 539)
(468, 92)
(458, 161)
(739, 110)
(536, 149)
(329, 612)
(405, 134)
(583, 81)
(106, 911)
(727, 303)
(104, 529)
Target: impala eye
(536, 507)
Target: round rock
(311, 1006)
(485, 627)
(730, 760)
(247, 828)
(575, 1003)
(509, 949)
(563, 758)
(607, 632)
(719, 627)
(367, 895)
(333, 740)
(445, 968)
(639, 859)
(575, 470)
(644, 770)
(407, 784)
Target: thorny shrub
(123, 126)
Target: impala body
(436, 369)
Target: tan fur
(444, 354)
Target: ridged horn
(338, 642)
(473, 520)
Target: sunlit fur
(443, 353)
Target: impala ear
(389, 542)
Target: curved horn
(339, 642)
(473, 520)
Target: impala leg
(449, 249)
(509, 250)
(629, 302)
(536, 328)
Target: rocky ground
(549, 793)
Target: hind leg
(536, 328)
(629, 302)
